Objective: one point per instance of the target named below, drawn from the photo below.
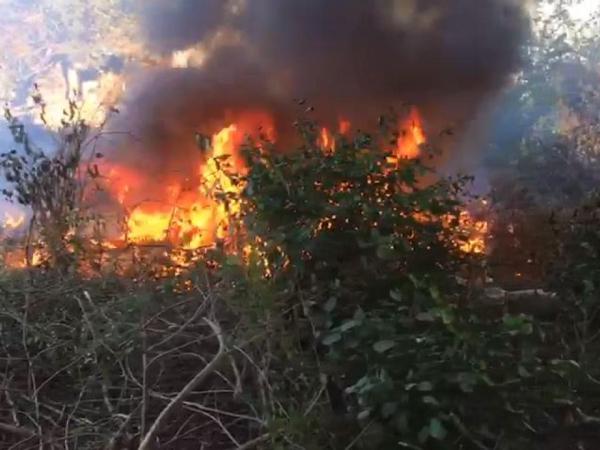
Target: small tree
(52, 185)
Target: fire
(344, 127)
(411, 136)
(13, 221)
(16, 258)
(476, 231)
(148, 225)
(187, 214)
(326, 141)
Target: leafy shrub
(344, 316)
(368, 252)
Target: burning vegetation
(203, 261)
(196, 212)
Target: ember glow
(16, 258)
(476, 231)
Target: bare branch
(254, 442)
(175, 404)
(17, 431)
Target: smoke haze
(349, 58)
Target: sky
(585, 9)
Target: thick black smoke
(350, 58)
(346, 49)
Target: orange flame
(13, 221)
(187, 214)
(194, 219)
(17, 259)
(411, 136)
(476, 230)
(344, 127)
(326, 141)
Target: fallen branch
(497, 293)
(253, 443)
(535, 302)
(17, 431)
(466, 433)
(114, 440)
(175, 404)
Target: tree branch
(176, 403)
(18, 431)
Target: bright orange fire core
(411, 136)
(193, 219)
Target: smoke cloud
(349, 58)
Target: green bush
(345, 317)
(372, 258)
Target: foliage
(53, 185)
(576, 274)
(542, 158)
(369, 255)
(92, 363)
(44, 33)
(343, 315)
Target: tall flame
(411, 136)
(192, 219)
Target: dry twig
(175, 404)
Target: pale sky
(585, 9)
(581, 10)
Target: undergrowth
(349, 322)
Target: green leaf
(517, 324)
(447, 316)
(348, 325)
(388, 409)
(425, 386)
(425, 317)
(396, 295)
(330, 304)
(435, 293)
(359, 315)
(364, 414)
(437, 430)
(414, 280)
(383, 346)
(523, 372)
(331, 339)
(423, 434)
(429, 400)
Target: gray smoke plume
(341, 50)
(349, 58)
